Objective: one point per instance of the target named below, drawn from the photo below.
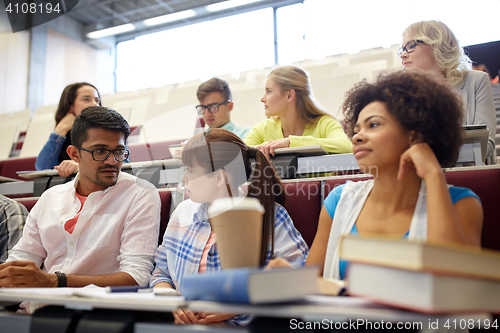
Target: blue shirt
(333, 198)
(239, 131)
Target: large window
(228, 45)
(291, 34)
(334, 27)
(313, 29)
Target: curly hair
(449, 55)
(420, 103)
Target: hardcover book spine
(229, 286)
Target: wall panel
(70, 61)
(14, 59)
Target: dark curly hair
(420, 103)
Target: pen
(127, 289)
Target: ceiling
(101, 14)
(109, 13)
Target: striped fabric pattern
(12, 219)
(188, 231)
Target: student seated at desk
(294, 118)
(100, 228)
(432, 47)
(217, 164)
(405, 127)
(12, 219)
(216, 104)
(74, 98)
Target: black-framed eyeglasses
(409, 47)
(212, 108)
(101, 154)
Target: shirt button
(71, 243)
(61, 222)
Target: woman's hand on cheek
(65, 124)
(421, 158)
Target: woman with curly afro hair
(405, 127)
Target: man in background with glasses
(100, 228)
(215, 104)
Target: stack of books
(423, 277)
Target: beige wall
(68, 61)
(14, 63)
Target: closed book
(423, 291)
(251, 286)
(411, 255)
(302, 151)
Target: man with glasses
(215, 104)
(101, 228)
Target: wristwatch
(61, 279)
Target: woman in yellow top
(294, 118)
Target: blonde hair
(293, 77)
(450, 57)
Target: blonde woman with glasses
(432, 47)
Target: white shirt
(117, 230)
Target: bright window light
(170, 17)
(197, 52)
(291, 43)
(313, 29)
(111, 31)
(228, 4)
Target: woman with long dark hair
(74, 98)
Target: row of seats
(9, 168)
(305, 199)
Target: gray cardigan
(475, 89)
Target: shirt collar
(229, 126)
(77, 179)
(201, 214)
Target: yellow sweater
(326, 132)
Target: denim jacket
(48, 158)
